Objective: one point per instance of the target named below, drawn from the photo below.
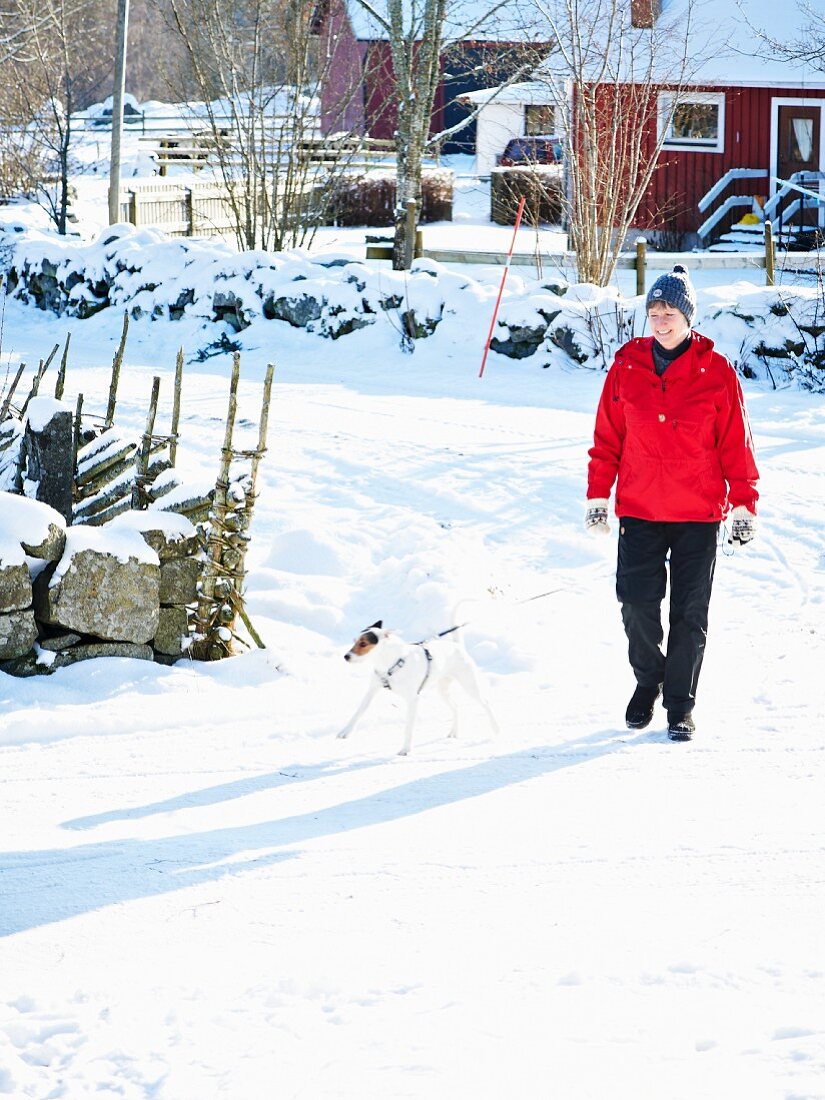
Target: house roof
(724, 49)
(478, 20)
(729, 50)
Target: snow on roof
(726, 44)
(720, 40)
(479, 20)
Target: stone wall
(121, 590)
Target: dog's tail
(457, 620)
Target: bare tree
(255, 68)
(606, 79)
(62, 56)
(806, 47)
(420, 33)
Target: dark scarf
(663, 357)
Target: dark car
(531, 150)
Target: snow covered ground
(205, 894)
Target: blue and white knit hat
(676, 290)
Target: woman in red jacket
(672, 431)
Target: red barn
(487, 42)
(747, 136)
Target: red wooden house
(748, 134)
(488, 42)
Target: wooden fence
(195, 209)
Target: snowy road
(204, 894)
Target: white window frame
(691, 145)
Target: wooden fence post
(641, 264)
(117, 363)
(770, 254)
(61, 374)
(134, 206)
(236, 591)
(212, 639)
(7, 399)
(189, 211)
(142, 464)
(173, 443)
(409, 242)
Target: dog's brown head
(366, 641)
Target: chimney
(644, 13)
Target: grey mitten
(595, 518)
(742, 526)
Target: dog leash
(519, 603)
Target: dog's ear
(377, 626)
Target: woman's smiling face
(668, 324)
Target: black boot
(639, 711)
(680, 727)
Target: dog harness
(385, 678)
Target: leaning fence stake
(60, 384)
(173, 442)
(519, 212)
(117, 363)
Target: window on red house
(695, 122)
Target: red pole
(519, 212)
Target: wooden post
(419, 244)
(117, 109)
(76, 440)
(60, 384)
(409, 237)
(641, 264)
(189, 208)
(7, 399)
(770, 255)
(117, 363)
(134, 208)
(251, 497)
(38, 378)
(173, 442)
(142, 464)
(208, 643)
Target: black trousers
(641, 583)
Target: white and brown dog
(406, 669)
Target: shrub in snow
(541, 187)
(370, 199)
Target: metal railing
(733, 174)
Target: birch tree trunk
(604, 79)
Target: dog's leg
(444, 688)
(412, 707)
(467, 675)
(372, 691)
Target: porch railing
(730, 203)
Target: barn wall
(342, 60)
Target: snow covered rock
(15, 587)
(47, 467)
(42, 660)
(172, 633)
(30, 529)
(18, 633)
(107, 584)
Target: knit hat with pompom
(676, 290)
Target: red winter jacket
(680, 444)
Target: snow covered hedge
(771, 333)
